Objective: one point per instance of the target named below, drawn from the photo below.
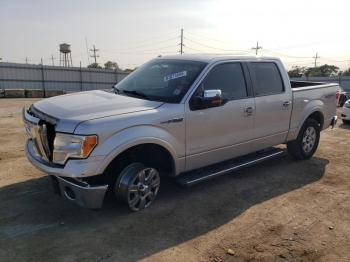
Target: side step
(193, 177)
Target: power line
(336, 61)
(212, 47)
(323, 41)
(205, 38)
(150, 42)
(156, 39)
(194, 49)
(257, 48)
(300, 62)
(242, 52)
(94, 50)
(138, 51)
(153, 43)
(285, 55)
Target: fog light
(69, 193)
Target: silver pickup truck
(188, 117)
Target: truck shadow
(33, 221)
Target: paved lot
(280, 210)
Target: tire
(307, 141)
(346, 122)
(342, 100)
(137, 186)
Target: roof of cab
(213, 58)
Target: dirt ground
(280, 210)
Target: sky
(134, 31)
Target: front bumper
(65, 182)
(80, 193)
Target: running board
(193, 177)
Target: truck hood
(72, 109)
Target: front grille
(39, 134)
(42, 133)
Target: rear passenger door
(273, 104)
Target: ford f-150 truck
(187, 117)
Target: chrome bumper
(84, 195)
(334, 121)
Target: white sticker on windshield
(174, 76)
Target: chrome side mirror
(208, 94)
(210, 98)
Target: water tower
(65, 55)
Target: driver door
(222, 132)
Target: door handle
(248, 111)
(286, 103)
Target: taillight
(337, 96)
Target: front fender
(129, 137)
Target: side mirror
(210, 98)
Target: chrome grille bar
(38, 133)
(44, 140)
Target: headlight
(72, 146)
(347, 104)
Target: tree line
(112, 66)
(319, 71)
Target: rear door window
(267, 78)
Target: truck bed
(298, 86)
(310, 95)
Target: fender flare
(177, 164)
(301, 123)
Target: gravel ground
(280, 210)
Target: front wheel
(137, 186)
(307, 141)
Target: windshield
(161, 80)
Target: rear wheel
(137, 186)
(307, 141)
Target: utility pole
(53, 60)
(94, 50)
(316, 57)
(182, 41)
(256, 48)
(26, 60)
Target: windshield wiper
(135, 93)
